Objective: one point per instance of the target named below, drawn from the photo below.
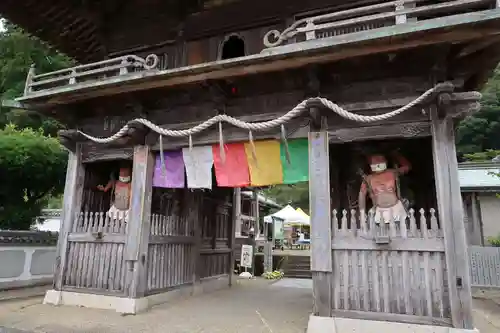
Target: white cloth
(116, 214)
(302, 237)
(198, 162)
(396, 213)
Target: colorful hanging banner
(172, 174)
(233, 170)
(298, 169)
(198, 162)
(266, 168)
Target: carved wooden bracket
(70, 138)
(458, 105)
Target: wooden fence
(484, 266)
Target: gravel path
(254, 306)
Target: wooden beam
(72, 201)
(138, 228)
(451, 219)
(321, 232)
(476, 46)
(476, 67)
(376, 132)
(297, 128)
(382, 40)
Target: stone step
(297, 265)
(297, 273)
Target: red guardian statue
(382, 186)
(120, 196)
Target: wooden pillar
(477, 221)
(255, 215)
(137, 240)
(72, 201)
(321, 233)
(451, 219)
(467, 207)
(236, 213)
(194, 207)
(256, 212)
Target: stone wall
(27, 258)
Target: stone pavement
(486, 310)
(255, 306)
(251, 306)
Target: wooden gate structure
(187, 241)
(402, 280)
(368, 57)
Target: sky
(1, 24)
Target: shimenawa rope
(266, 125)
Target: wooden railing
(89, 72)
(372, 17)
(419, 224)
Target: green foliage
(487, 155)
(18, 51)
(494, 241)
(296, 195)
(276, 275)
(54, 202)
(481, 132)
(32, 168)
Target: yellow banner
(265, 168)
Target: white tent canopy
(290, 216)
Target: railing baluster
(72, 78)
(29, 80)
(311, 32)
(400, 19)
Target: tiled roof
(479, 176)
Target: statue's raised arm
(404, 166)
(381, 185)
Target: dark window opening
(234, 47)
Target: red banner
(233, 171)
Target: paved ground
(253, 306)
(256, 306)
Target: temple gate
(358, 79)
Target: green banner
(298, 169)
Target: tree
(481, 131)
(32, 168)
(296, 195)
(18, 51)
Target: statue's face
(124, 176)
(378, 163)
